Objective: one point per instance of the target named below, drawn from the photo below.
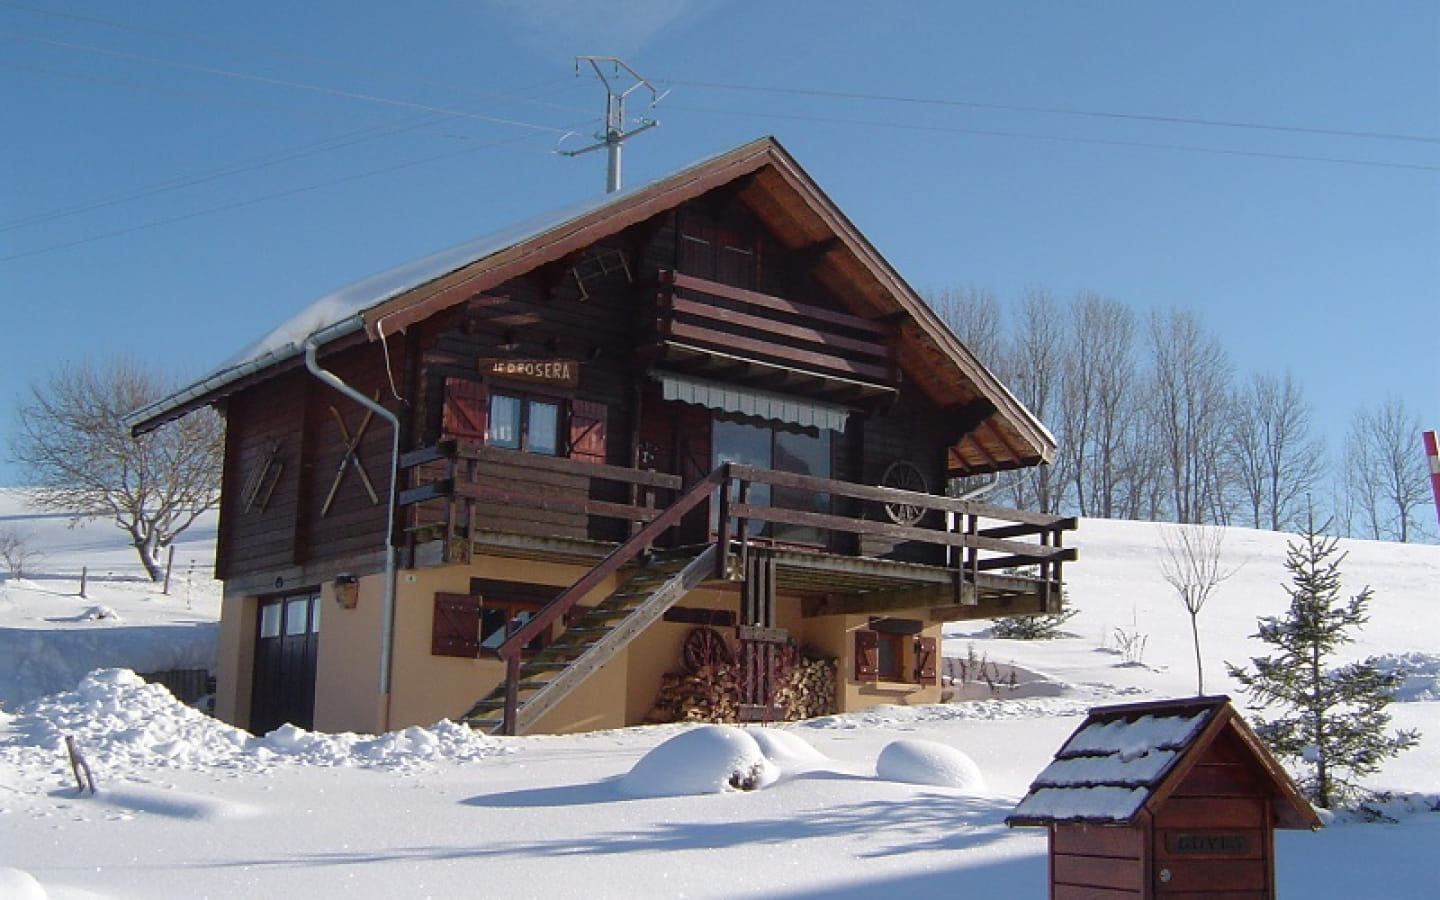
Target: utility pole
(615, 134)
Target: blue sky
(176, 178)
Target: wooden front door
(288, 634)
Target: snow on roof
(339, 312)
(353, 299)
(1107, 769)
(1113, 804)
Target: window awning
(751, 402)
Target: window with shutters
(465, 624)
(524, 422)
(889, 653)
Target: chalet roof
(1125, 759)
(994, 430)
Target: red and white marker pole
(1434, 455)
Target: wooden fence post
(84, 778)
(169, 563)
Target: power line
(253, 164)
(251, 201)
(1055, 110)
(282, 82)
(229, 43)
(238, 167)
(1105, 142)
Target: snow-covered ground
(884, 803)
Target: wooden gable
(991, 430)
(987, 428)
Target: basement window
(893, 650)
(464, 624)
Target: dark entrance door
(286, 640)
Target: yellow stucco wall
(234, 666)
(426, 688)
(347, 660)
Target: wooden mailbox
(1163, 799)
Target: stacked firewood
(706, 695)
(807, 689)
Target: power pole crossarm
(615, 134)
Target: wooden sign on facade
(557, 372)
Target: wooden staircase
(593, 639)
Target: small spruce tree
(1332, 719)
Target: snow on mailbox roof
(1121, 757)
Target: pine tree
(1332, 719)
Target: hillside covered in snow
(887, 802)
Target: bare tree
(1191, 378)
(1098, 399)
(974, 315)
(1191, 565)
(1386, 470)
(1036, 361)
(1274, 460)
(82, 460)
(16, 552)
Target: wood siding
(1221, 803)
(1097, 861)
(318, 506)
(596, 308)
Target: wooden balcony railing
(460, 477)
(709, 316)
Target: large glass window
(765, 445)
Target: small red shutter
(465, 405)
(587, 431)
(867, 656)
(925, 660)
(456, 627)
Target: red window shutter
(465, 405)
(867, 656)
(587, 431)
(925, 653)
(455, 630)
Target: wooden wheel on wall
(706, 647)
(905, 476)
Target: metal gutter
(155, 414)
(387, 611)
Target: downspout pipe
(387, 611)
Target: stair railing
(511, 649)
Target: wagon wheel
(906, 476)
(705, 647)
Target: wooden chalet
(1170, 798)
(699, 423)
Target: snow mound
(125, 725)
(1420, 673)
(173, 804)
(710, 759)
(915, 761)
(890, 715)
(16, 884)
(785, 747)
